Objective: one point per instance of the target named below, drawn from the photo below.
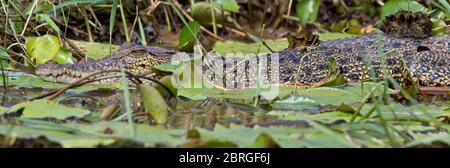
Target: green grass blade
(112, 20)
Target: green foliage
(228, 5)
(393, 6)
(154, 103)
(307, 11)
(3, 110)
(188, 36)
(265, 141)
(48, 109)
(112, 18)
(201, 12)
(46, 19)
(4, 58)
(42, 48)
(238, 47)
(95, 50)
(46, 48)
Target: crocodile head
(133, 58)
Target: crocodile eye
(422, 48)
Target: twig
(435, 90)
(76, 51)
(95, 17)
(267, 46)
(29, 17)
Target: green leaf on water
(325, 117)
(154, 103)
(63, 56)
(94, 50)
(429, 139)
(265, 141)
(67, 140)
(223, 48)
(296, 102)
(48, 109)
(188, 36)
(329, 96)
(42, 48)
(149, 135)
(416, 112)
(286, 137)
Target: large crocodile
(419, 58)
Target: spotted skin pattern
(423, 61)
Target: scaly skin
(136, 59)
(425, 61)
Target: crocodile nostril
(422, 48)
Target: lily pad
(239, 48)
(42, 48)
(326, 117)
(48, 109)
(67, 140)
(290, 137)
(149, 135)
(95, 50)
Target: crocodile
(416, 57)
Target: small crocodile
(419, 58)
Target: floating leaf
(63, 56)
(223, 48)
(265, 141)
(330, 96)
(150, 135)
(95, 50)
(48, 109)
(285, 136)
(67, 140)
(42, 48)
(295, 102)
(154, 103)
